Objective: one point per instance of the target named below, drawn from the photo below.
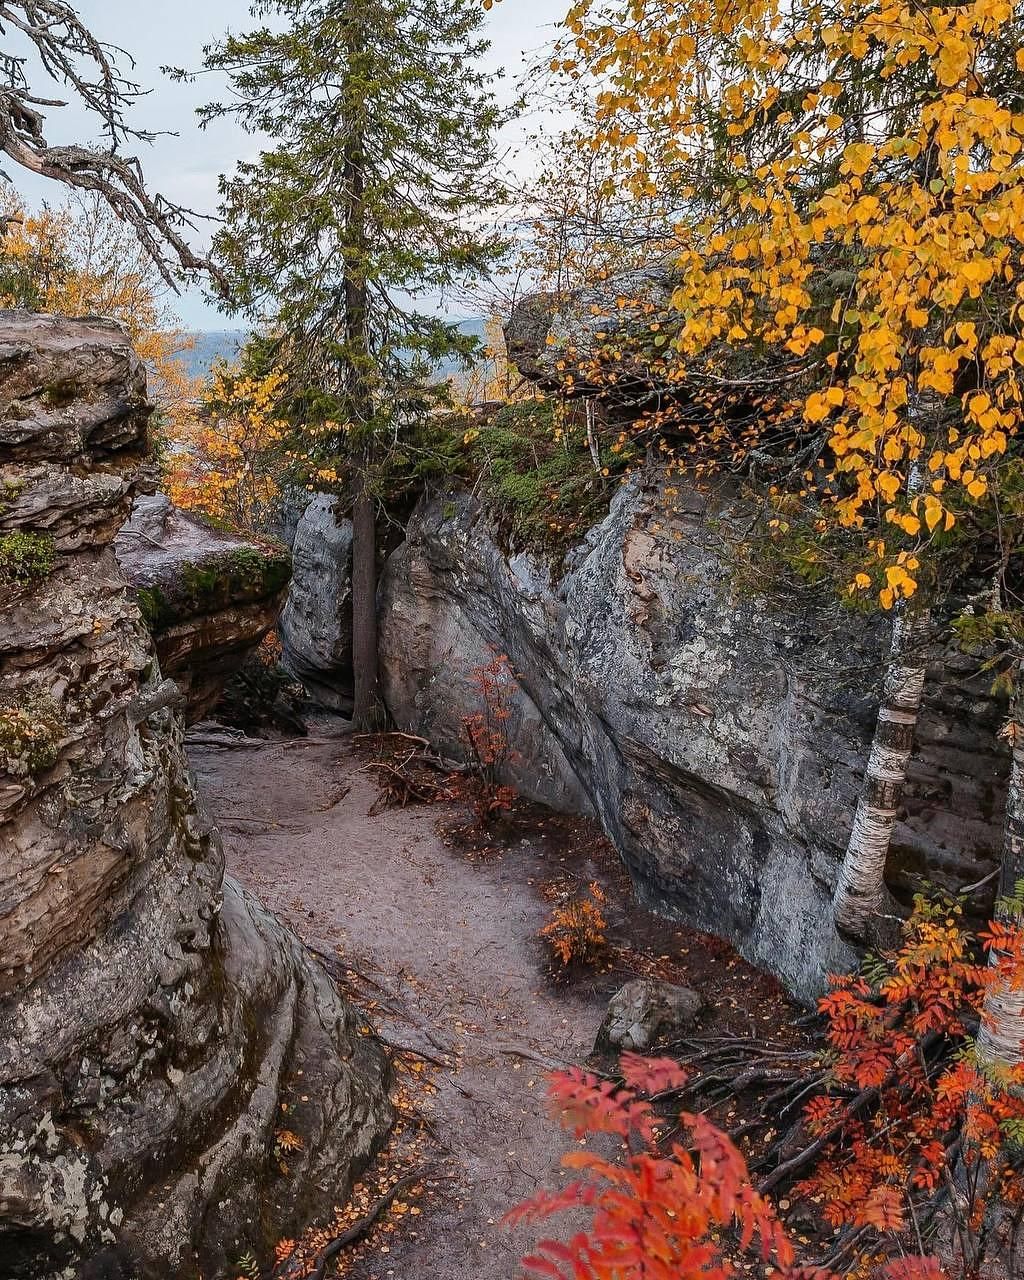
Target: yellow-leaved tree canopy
(854, 188)
(849, 181)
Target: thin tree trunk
(860, 893)
(592, 444)
(1001, 1036)
(366, 703)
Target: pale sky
(185, 167)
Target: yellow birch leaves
(867, 163)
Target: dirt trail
(452, 943)
(455, 939)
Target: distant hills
(208, 347)
(226, 343)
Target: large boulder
(316, 623)
(155, 1022)
(549, 335)
(720, 737)
(208, 596)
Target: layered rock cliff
(154, 1021)
(208, 596)
(720, 738)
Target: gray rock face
(208, 597)
(316, 624)
(435, 633)
(645, 1012)
(153, 1019)
(720, 740)
(546, 331)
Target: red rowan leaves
(688, 1213)
(887, 1040)
(651, 1075)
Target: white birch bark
(860, 889)
(1001, 1035)
(595, 451)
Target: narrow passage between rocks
(447, 949)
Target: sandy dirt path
(454, 941)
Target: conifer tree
(373, 193)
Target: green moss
(10, 491)
(64, 392)
(151, 605)
(542, 485)
(30, 736)
(25, 558)
(241, 576)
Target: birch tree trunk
(1001, 1036)
(860, 890)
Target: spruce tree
(374, 191)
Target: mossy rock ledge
(207, 597)
(154, 1019)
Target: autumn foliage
(846, 182)
(912, 1107)
(576, 934)
(486, 736)
(229, 461)
(667, 1208)
(910, 1136)
(79, 259)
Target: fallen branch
(399, 1047)
(866, 1096)
(230, 742)
(395, 733)
(521, 1051)
(358, 1230)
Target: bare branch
(71, 55)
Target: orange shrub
(576, 932)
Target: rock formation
(154, 1021)
(720, 738)
(316, 625)
(208, 597)
(645, 1012)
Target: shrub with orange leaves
(911, 1107)
(679, 1209)
(577, 931)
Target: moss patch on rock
(26, 558)
(240, 576)
(10, 491)
(540, 481)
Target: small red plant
(682, 1210)
(487, 737)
